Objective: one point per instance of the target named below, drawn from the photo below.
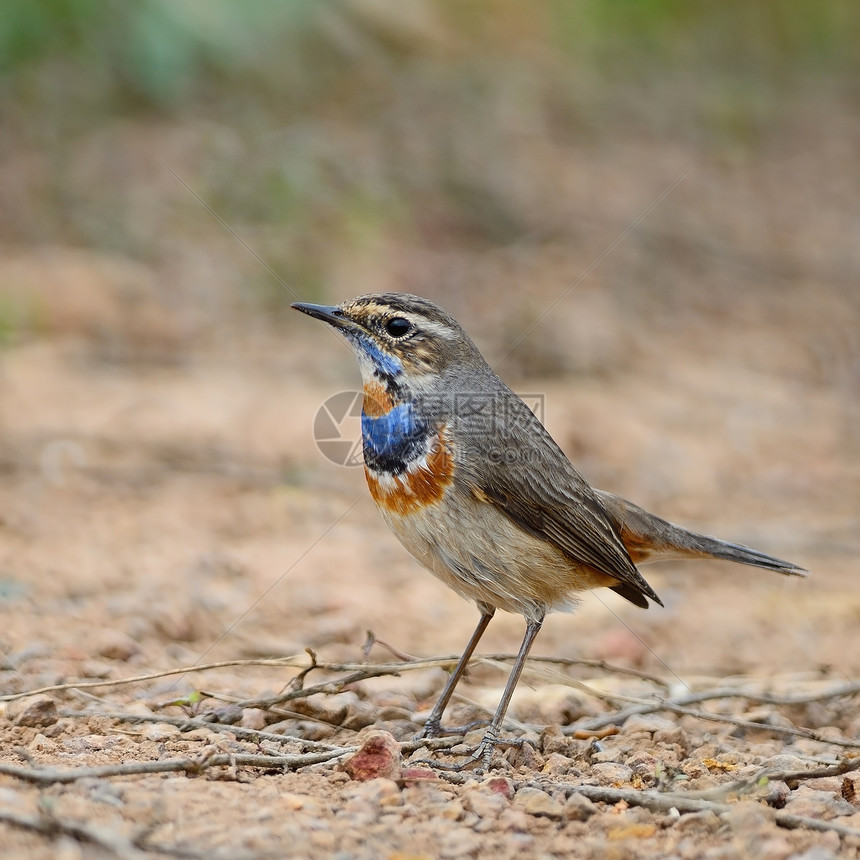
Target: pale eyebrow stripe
(438, 328)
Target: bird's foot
(481, 756)
(434, 729)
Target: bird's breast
(394, 433)
(408, 461)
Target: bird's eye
(398, 326)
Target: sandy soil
(155, 517)
(163, 504)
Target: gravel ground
(156, 517)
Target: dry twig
(679, 706)
(187, 724)
(304, 664)
(666, 802)
(51, 825)
(135, 848)
(191, 766)
(743, 787)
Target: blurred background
(173, 175)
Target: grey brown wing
(519, 468)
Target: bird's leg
(433, 726)
(491, 737)
(484, 752)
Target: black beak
(331, 314)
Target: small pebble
(525, 756)
(558, 764)
(42, 744)
(225, 715)
(296, 802)
(643, 764)
(95, 669)
(306, 729)
(460, 842)
(484, 802)
(578, 807)
(33, 711)
(378, 792)
(514, 820)
(785, 763)
(254, 718)
(453, 810)
(379, 756)
(330, 709)
(749, 818)
(500, 785)
(411, 775)
(777, 794)
(705, 820)
(609, 753)
(825, 783)
(159, 731)
(553, 741)
(611, 773)
(323, 840)
(647, 723)
(116, 645)
(817, 852)
(674, 736)
(363, 716)
(536, 802)
(817, 804)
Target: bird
(476, 489)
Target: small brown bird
(478, 491)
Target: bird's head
(399, 339)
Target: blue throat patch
(393, 440)
(386, 365)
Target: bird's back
(508, 462)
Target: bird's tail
(649, 538)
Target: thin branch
(679, 706)
(798, 822)
(51, 825)
(357, 672)
(191, 766)
(302, 662)
(287, 662)
(371, 640)
(667, 802)
(336, 686)
(137, 848)
(847, 765)
(747, 786)
(792, 731)
(282, 713)
(187, 724)
(492, 659)
(726, 693)
(805, 699)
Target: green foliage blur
(165, 54)
(337, 122)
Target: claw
(482, 754)
(435, 730)
(429, 731)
